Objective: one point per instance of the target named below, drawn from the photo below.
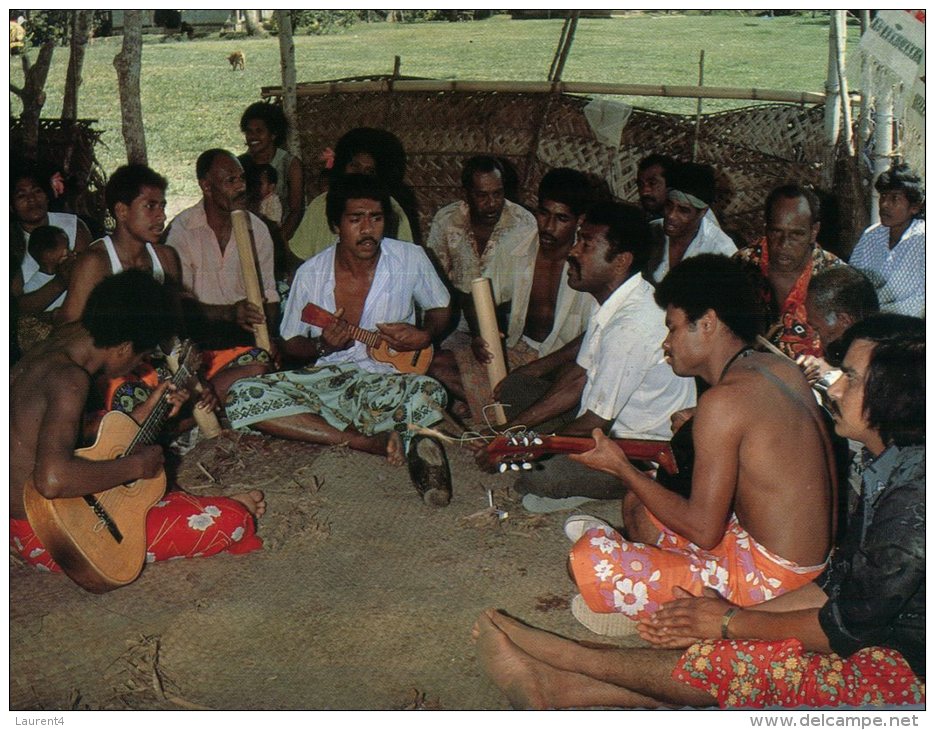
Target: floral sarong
(618, 576)
(178, 526)
(784, 674)
(343, 395)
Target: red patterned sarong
(178, 526)
(784, 674)
(618, 576)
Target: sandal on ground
(429, 470)
(605, 624)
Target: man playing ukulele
(343, 395)
(126, 316)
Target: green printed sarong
(343, 395)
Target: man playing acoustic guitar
(369, 282)
(126, 316)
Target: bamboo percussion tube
(248, 266)
(487, 320)
(207, 420)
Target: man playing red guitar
(759, 519)
(126, 316)
(371, 282)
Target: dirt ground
(363, 597)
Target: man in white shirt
(686, 229)
(342, 394)
(892, 253)
(619, 380)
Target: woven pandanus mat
(363, 597)
(753, 148)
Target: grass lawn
(192, 100)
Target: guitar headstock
(185, 359)
(515, 451)
(316, 316)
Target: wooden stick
(548, 87)
(487, 320)
(771, 347)
(248, 266)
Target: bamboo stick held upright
(248, 266)
(487, 321)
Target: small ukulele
(521, 447)
(415, 361)
(99, 540)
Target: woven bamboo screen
(753, 148)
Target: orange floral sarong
(784, 674)
(618, 576)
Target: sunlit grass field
(192, 100)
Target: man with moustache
(342, 395)
(788, 257)
(203, 236)
(618, 381)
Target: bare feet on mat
(395, 455)
(254, 501)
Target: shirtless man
(545, 312)
(342, 395)
(759, 519)
(126, 317)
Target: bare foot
(511, 669)
(554, 650)
(395, 456)
(254, 501)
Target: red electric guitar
(523, 446)
(414, 361)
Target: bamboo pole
(547, 87)
(243, 235)
(698, 111)
(840, 44)
(832, 94)
(566, 47)
(882, 146)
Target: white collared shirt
(404, 277)
(512, 277)
(709, 239)
(898, 274)
(629, 381)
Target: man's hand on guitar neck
(176, 397)
(404, 337)
(606, 456)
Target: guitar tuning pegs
(503, 467)
(537, 441)
(515, 467)
(527, 466)
(525, 441)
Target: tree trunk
(127, 63)
(287, 63)
(80, 36)
(253, 24)
(33, 97)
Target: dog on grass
(237, 60)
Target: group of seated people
(793, 533)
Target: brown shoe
(428, 467)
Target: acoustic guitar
(414, 361)
(520, 448)
(99, 540)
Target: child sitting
(261, 189)
(48, 245)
